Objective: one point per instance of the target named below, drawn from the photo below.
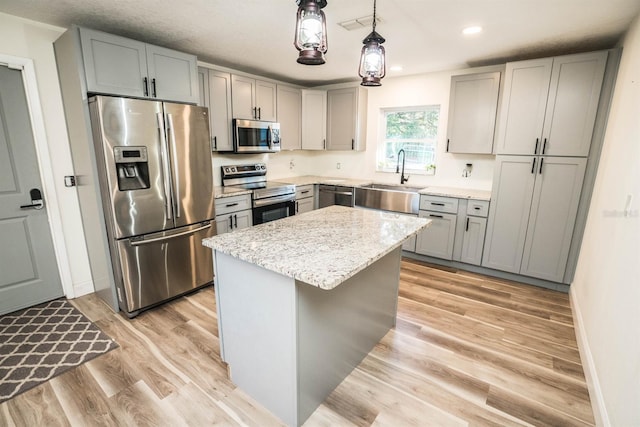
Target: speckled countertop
(323, 247)
(312, 179)
(460, 193)
(220, 192)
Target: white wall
(29, 39)
(424, 89)
(606, 290)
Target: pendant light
(311, 32)
(372, 61)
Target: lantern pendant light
(311, 32)
(372, 61)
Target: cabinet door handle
(541, 162)
(436, 216)
(447, 145)
(235, 216)
(467, 227)
(536, 149)
(145, 82)
(353, 144)
(259, 113)
(533, 166)
(324, 144)
(544, 146)
(297, 207)
(304, 192)
(254, 113)
(215, 143)
(437, 204)
(230, 222)
(230, 205)
(153, 87)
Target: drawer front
(478, 208)
(226, 205)
(439, 204)
(304, 191)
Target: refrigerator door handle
(171, 236)
(165, 166)
(174, 152)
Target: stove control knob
(263, 167)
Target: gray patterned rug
(41, 342)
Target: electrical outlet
(338, 165)
(291, 164)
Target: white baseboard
(595, 392)
(83, 288)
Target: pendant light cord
(374, 15)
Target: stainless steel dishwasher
(330, 195)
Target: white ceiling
(422, 35)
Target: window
(414, 130)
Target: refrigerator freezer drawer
(163, 265)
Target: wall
(418, 90)
(29, 39)
(606, 291)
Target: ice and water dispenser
(132, 166)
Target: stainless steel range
(270, 200)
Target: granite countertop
(460, 193)
(312, 179)
(323, 247)
(220, 192)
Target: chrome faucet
(403, 179)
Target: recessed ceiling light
(472, 30)
(396, 68)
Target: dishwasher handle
(342, 193)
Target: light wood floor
(467, 350)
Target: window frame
(383, 141)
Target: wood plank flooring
(467, 350)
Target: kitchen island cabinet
(302, 300)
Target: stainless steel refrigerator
(154, 169)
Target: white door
(28, 268)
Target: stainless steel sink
(388, 197)
(394, 187)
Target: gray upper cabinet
(576, 81)
(253, 99)
(215, 94)
(116, 65)
(532, 214)
(473, 105)
(346, 119)
(549, 105)
(314, 119)
(289, 107)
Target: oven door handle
(273, 200)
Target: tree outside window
(413, 129)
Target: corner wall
(32, 40)
(605, 293)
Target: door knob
(36, 200)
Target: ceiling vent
(356, 24)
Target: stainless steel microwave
(253, 136)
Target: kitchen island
(302, 300)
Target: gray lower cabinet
(437, 239)
(473, 240)
(233, 213)
(117, 65)
(533, 211)
(215, 94)
(305, 198)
